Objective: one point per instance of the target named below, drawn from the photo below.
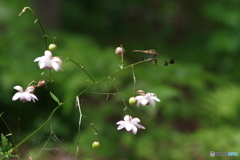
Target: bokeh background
(200, 93)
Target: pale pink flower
(145, 99)
(26, 95)
(49, 62)
(130, 124)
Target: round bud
(132, 101)
(41, 83)
(119, 51)
(96, 144)
(52, 47)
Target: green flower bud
(52, 47)
(96, 144)
(132, 101)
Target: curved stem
(134, 81)
(118, 92)
(79, 124)
(49, 118)
(82, 69)
(108, 93)
(33, 81)
(39, 22)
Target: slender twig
(82, 69)
(49, 118)
(79, 125)
(134, 81)
(126, 108)
(33, 81)
(107, 93)
(39, 22)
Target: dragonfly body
(151, 53)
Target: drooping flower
(130, 124)
(145, 99)
(26, 95)
(49, 62)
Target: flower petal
(120, 122)
(38, 59)
(134, 130)
(26, 96)
(144, 102)
(18, 88)
(129, 126)
(33, 97)
(56, 66)
(152, 102)
(156, 99)
(48, 54)
(30, 89)
(139, 126)
(121, 126)
(16, 96)
(139, 97)
(135, 120)
(127, 118)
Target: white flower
(147, 98)
(49, 62)
(26, 95)
(131, 124)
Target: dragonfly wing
(171, 61)
(165, 63)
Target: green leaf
(55, 98)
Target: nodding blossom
(49, 62)
(145, 99)
(26, 95)
(130, 124)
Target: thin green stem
(108, 93)
(82, 69)
(34, 81)
(79, 125)
(119, 92)
(124, 69)
(39, 22)
(92, 125)
(49, 118)
(134, 81)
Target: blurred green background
(200, 93)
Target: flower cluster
(132, 124)
(48, 62)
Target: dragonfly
(151, 53)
